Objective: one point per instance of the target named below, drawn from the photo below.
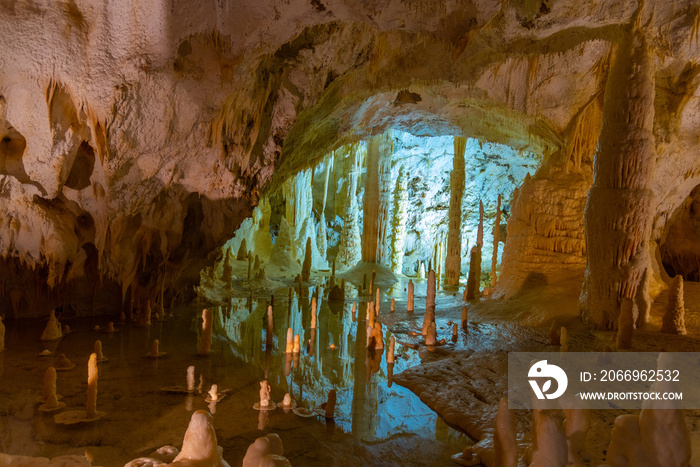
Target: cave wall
(147, 130)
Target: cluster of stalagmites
(656, 437)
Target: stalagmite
(371, 314)
(290, 341)
(465, 317)
(265, 402)
(110, 327)
(550, 447)
(321, 241)
(98, 352)
(297, 344)
(377, 303)
(306, 266)
(207, 329)
(658, 436)
(92, 387)
(49, 387)
(474, 274)
(398, 222)
(625, 325)
(496, 236)
(455, 332)
(575, 427)
(155, 350)
(621, 199)
(431, 334)
(409, 304)
(454, 237)
(429, 303)
(563, 339)
(50, 398)
(329, 405)
(200, 446)
(505, 443)
(354, 308)
(674, 317)
(52, 331)
(390, 352)
(266, 451)
(213, 393)
(392, 306)
(61, 363)
(375, 337)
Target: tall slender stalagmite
(454, 236)
(674, 317)
(376, 200)
(619, 209)
(398, 222)
(306, 266)
(496, 235)
(429, 302)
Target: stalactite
(674, 317)
(454, 236)
(496, 235)
(398, 223)
(620, 199)
(376, 200)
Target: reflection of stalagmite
(474, 274)
(409, 304)
(429, 303)
(674, 317)
(207, 327)
(269, 325)
(621, 199)
(290, 340)
(313, 313)
(398, 222)
(306, 266)
(454, 237)
(496, 235)
(376, 200)
(505, 443)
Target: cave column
(454, 235)
(350, 246)
(618, 214)
(377, 198)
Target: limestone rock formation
(674, 317)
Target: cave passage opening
(326, 202)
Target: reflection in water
(369, 405)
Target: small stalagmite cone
(98, 350)
(465, 317)
(393, 305)
(155, 348)
(297, 344)
(49, 383)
